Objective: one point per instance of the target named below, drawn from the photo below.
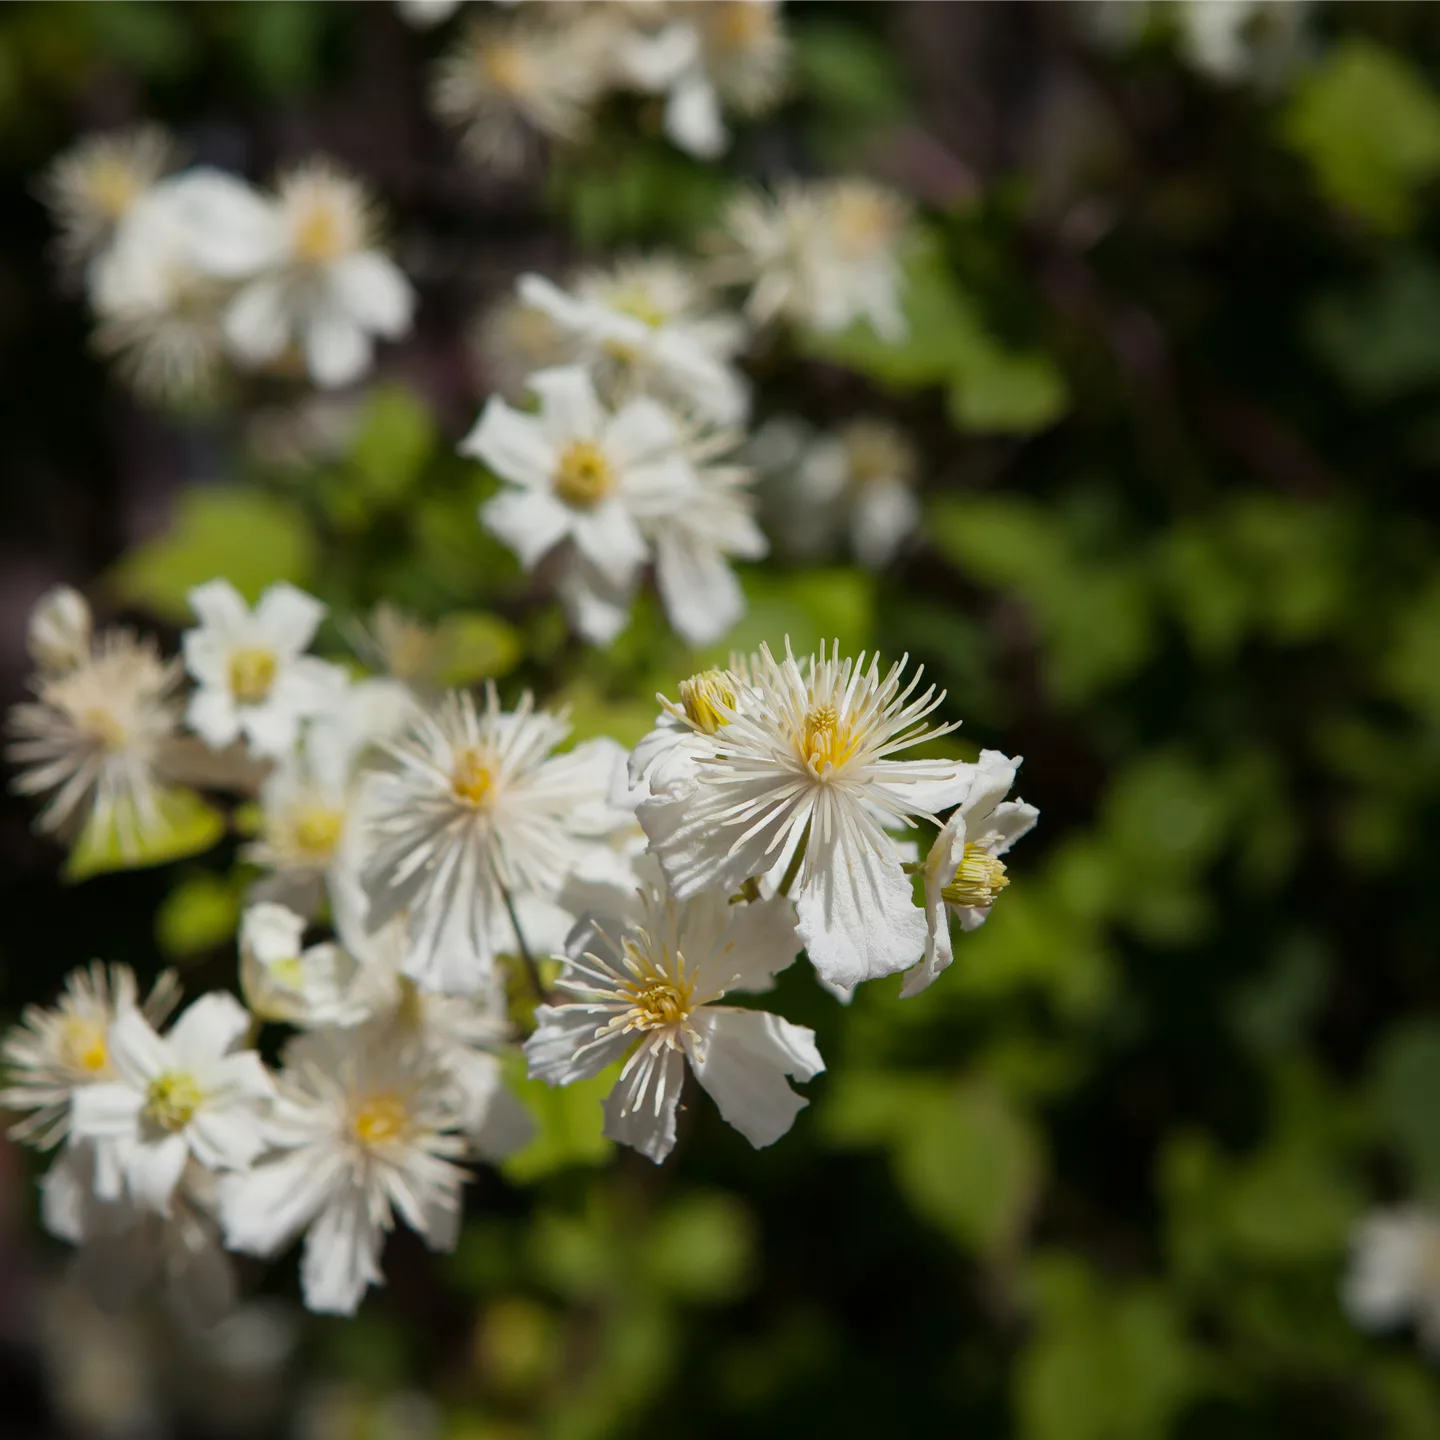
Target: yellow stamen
(252, 673)
(827, 742)
(659, 997)
(738, 24)
(382, 1117)
(104, 727)
(112, 188)
(702, 696)
(172, 1100)
(584, 476)
(472, 778)
(82, 1043)
(317, 829)
(505, 68)
(319, 235)
(979, 879)
(289, 973)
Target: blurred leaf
(280, 42)
(1405, 1083)
(845, 71)
(186, 826)
(568, 1123)
(808, 606)
(701, 1248)
(201, 913)
(1369, 124)
(998, 391)
(395, 438)
(245, 536)
(475, 645)
(156, 39)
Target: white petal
(644, 430)
(561, 1031)
(692, 117)
(207, 1030)
(374, 291)
(655, 62)
(342, 1255)
(66, 1193)
(507, 1127)
(212, 715)
(762, 941)
(886, 513)
(138, 1052)
(742, 1060)
(598, 610)
(337, 350)
(701, 594)
(257, 322)
(218, 605)
(153, 1169)
(265, 1208)
(569, 408)
(1008, 823)
(640, 1110)
(551, 300)
(927, 786)
(513, 445)
(945, 855)
(609, 539)
(288, 618)
(530, 522)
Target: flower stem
(532, 970)
(793, 868)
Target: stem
(793, 868)
(532, 970)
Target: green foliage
(201, 913)
(568, 1126)
(183, 825)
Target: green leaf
(1000, 391)
(1405, 1084)
(476, 645)
(395, 438)
(1369, 125)
(187, 825)
(702, 1248)
(569, 1125)
(243, 535)
(199, 914)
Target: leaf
(702, 1248)
(243, 535)
(476, 645)
(1369, 125)
(568, 1122)
(199, 914)
(187, 826)
(395, 438)
(997, 391)
(1405, 1083)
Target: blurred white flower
(59, 630)
(820, 255)
(194, 1092)
(283, 980)
(319, 284)
(650, 325)
(478, 807)
(1394, 1273)
(425, 14)
(719, 53)
(93, 740)
(1234, 40)
(360, 1129)
(55, 1051)
(511, 341)
(800, 781)
(251, 673)
(577, 472)
(648, 982)
(963, 871)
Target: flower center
(826, 742)
(639, 306)
(584, 476)
(979, 878)
(739, 24)
(702, 696)
(472, 778)
(289, 973)
(112, 188)
(252, 673)
(172, 1100)
(319, 235)
(863, 225)
(505, 68)
(380, 1118)
(104, 727)
(82, 1044)
(660, 997)
(317, 829)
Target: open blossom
(252, 675)
(478, 807)
(193, 1092)
(284, 980)
(1394, 1273)
(93, 741)
(799, 780)
(730, 54)
(56, 1051)
(320, 284)
(360, 1130)
(820, 255)
(649, 983)
(964, 871)
(650, 325)
(579, 473)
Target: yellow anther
(703, 695)
(319, 235)
(504, 66)
(172, 1100)
(584, 476)
(317, 830)
(83, 1046)
(382, 1117)
(472, 779)
(252, 673)
(979, 878)
(739, 24)
(659, 993)
(826, 740)
(112, 188)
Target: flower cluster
(193, 272)
(511, 80)
(443, 881)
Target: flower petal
(742, 1060)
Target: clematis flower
(1394, 1265)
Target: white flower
(800, 776)
(821, 255)
(191, 1093)
(666, 761)
(424, 14)
(720, 50)
(652, 989)
(92, 187)
(320, 283)
(93, 740)
(581, 474)
(54, 1052)
(476, 807)
(511, 341)
(283, 980)
(59, 631)
(360, 1129)
(1235, 40)
(251, 673)
(649, 324)
(511, 79)
(1394, 1273)
(963, 870)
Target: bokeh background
(1173, 379)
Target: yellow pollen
(82, 1043)
(584, 476)
(172, 1100)
(317, 829)
(382, 1117)
(504, 67)
(737, 24)
(826, 740)
(252, 673)
(863, 224)
(289, 973)
(319, 235)
(112, 188)
(104, 728)
(472, 779)
(979, 878)
(639, 306)
(702, 696)
(659, 997)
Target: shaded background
(1175, 395)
